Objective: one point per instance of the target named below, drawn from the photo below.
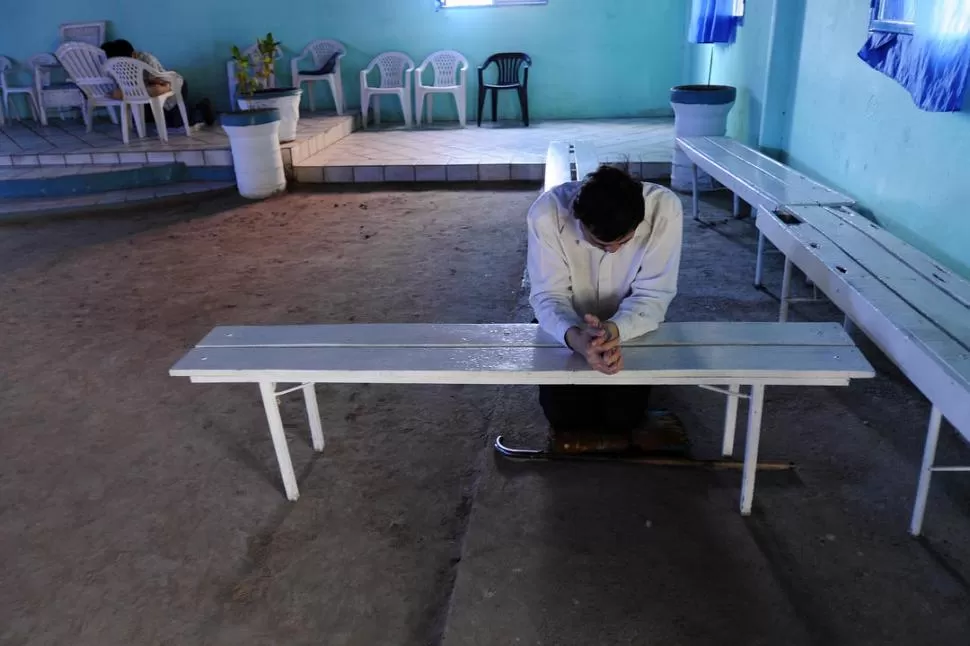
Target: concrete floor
(140, 509)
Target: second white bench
(757, 179)
(914, 309)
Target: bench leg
(760, 262)
(268, 391)
(696, 207)
(313, 416)
(848, 325)
(785, 292)
(755, 407)
(737, 206)
(730, 420)
(926, 472)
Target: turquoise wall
(591, 59)
(859, 130)
(760, 64)
(827, 113)
(742, 64)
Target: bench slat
(560, 161)
(557, 165)
(752, 187)
(586, 159)
(933, 361)
(780, 364)
(943, 278)
(757, 178)
(518, 335)
(776, 169)
(913, 289)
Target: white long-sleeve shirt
(570, 277)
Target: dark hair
(121, 47)
(610, 203)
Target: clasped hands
(599, 343)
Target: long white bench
(757, 179)
(915, 310)
(568, 162)
(719, 356)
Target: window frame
(878, 25)
(443, 4)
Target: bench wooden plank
(935, 362)
(756, 193)
(914, 290)
(585, 158)
(943, 278)
(568, 162)
(800, 184)
(557, 165)
(782, 172)
(518, 335)
(509, 366)
(757, 178)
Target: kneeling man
(604, 254)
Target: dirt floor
(136, 508)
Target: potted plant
(254, 69)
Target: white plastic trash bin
(255, 142)
(699, 111)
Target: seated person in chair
(155, 85)
(603, 259)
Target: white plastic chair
(320, 51)
(6, 66)
(396, 70)
(129, 74)
(91, 33)
(449, 67)
(255, 60)
(84, 64)
(52, 96)
(159, 71)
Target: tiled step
(314, 135)
(458, 172)
(64, 181)
(26, 143)
(26, 209)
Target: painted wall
(591, 59)
(742, 64)
(827, 113)
(859, 131)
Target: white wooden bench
(757, 179)
(568, 162)
(719, 356)
(915, 310)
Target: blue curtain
(934, 62)
(714, 21)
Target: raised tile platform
(27, 143)
(502, 152)
(328, 150)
